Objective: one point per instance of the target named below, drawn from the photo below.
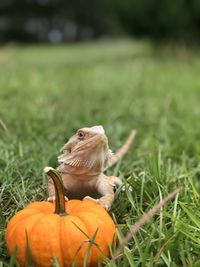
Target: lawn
(48, 92)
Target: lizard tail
(120, 153)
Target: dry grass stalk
(145, 218)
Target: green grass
(48, 92)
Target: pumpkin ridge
(14, 226)
(76, 223)
(91, 252)
(60, 245)
(101, 222)
(37, 206)
(79, 209)
(32, 229)
(23, 248)
(72, 205)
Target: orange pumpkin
(77, 230)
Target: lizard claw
(52, 199)
(105, 206)
(90, 198)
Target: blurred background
(59, 21)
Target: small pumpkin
(76, 229)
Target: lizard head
(88, 149)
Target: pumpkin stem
(59, 190)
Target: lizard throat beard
(88, 157)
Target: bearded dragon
(85, 158)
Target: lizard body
(85, 158)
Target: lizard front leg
(51, 191)
(104, 187)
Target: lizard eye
(81, 135)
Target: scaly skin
(86, 156)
